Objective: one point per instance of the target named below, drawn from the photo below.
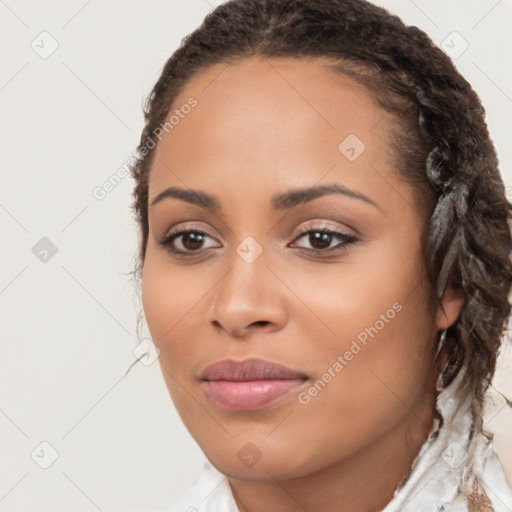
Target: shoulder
(210, 493)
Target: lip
(250, 384)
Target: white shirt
(447, 467)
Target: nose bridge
(247, 276)
(248, 292)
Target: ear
(452, 302)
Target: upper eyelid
(180, 230)
(321, 225)
(315, 223)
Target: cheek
(168, 299)
(373, 313)
(367, 378)
(367, 287)
(169, 296)
(156, 299)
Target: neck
(365, 482)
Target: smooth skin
(260, 128)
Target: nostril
(261, 322)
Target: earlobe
(449, 308)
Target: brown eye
(183, 242)
(192, 240)
(320, 240)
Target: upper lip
(249, 369)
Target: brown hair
(440, 143)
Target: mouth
(251, 384)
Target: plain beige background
(73, 78)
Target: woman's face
(347, 311)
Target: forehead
(273, 122)
(287, 87)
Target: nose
(248, 299)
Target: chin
(244, 461)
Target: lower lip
(250, 395)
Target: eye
(188, 241)
(321, 239)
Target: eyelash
(345, 241)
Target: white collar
(451, 465)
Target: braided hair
(440, 143)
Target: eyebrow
(286, 200)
